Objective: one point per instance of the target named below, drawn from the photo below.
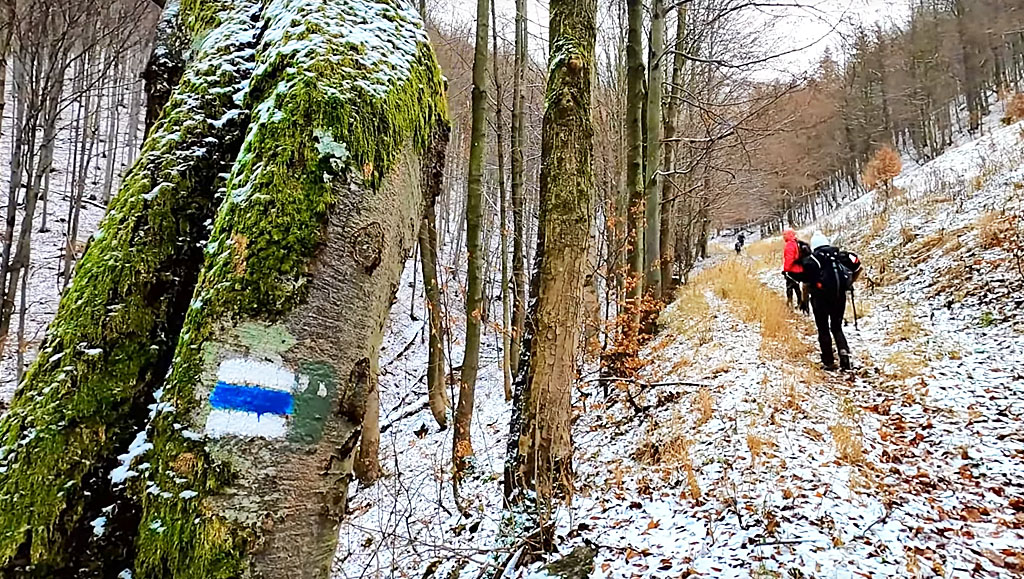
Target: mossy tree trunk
(634, 148)
(116, 326)
(462, 447)
(652, 163)
(254, 438)
(544, 461)
(166, 63)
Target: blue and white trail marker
(252, 398)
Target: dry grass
(905, 329)
(879, 224)
(907, 235)
(703, 405)
(904, 365)
(757, 446)
(690, 316)
(752, 302)
(673, 453)
(763, 249)
(849, 448)
(996, 229)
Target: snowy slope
(907, 468)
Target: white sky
(821, 23)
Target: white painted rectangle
(236, 423)
(249, 372)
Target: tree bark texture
(670, 186)
(462, 447)
(437, 393)
(117, 324)
(254, 438)
(166, 63)
(506, 305)
(652, 163)
(634, 147)
(566, 215)
(519, 281)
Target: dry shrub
(703, 405)
(757, 446)
(883, 167)
(1015, 109)
(634, 328)
(848, 444)
(752, 302)
(673, 452)
(996, 229)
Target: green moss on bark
(335, 96)
(118, 322)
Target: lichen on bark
(118, 322)
(321, 209)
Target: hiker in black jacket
(830, 273)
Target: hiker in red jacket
(793, 270)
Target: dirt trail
(904, 468)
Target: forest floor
(735, 455)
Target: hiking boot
(844, 361)
(829, 365)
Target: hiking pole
(853, 301)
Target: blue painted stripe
(251, 399)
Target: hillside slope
(734, 455)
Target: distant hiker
(792, 270)
(739, 243)
(831, 273)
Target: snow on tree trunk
(166, 63)
(117, 324)
(253, 439)
(544, 462)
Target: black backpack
(805, 249)
(835, 276)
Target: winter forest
(572, 289)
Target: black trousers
(794, 283)
(828, 317)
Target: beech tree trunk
(634, 148)
(519, 281)
(255, 435)
(506, 306)
(110, 344)
(462, 447)
(437, 394)
(669, 192)
(544, 443)
(652, 164)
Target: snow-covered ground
(45, 273)
(908, 467)
(912, 466)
